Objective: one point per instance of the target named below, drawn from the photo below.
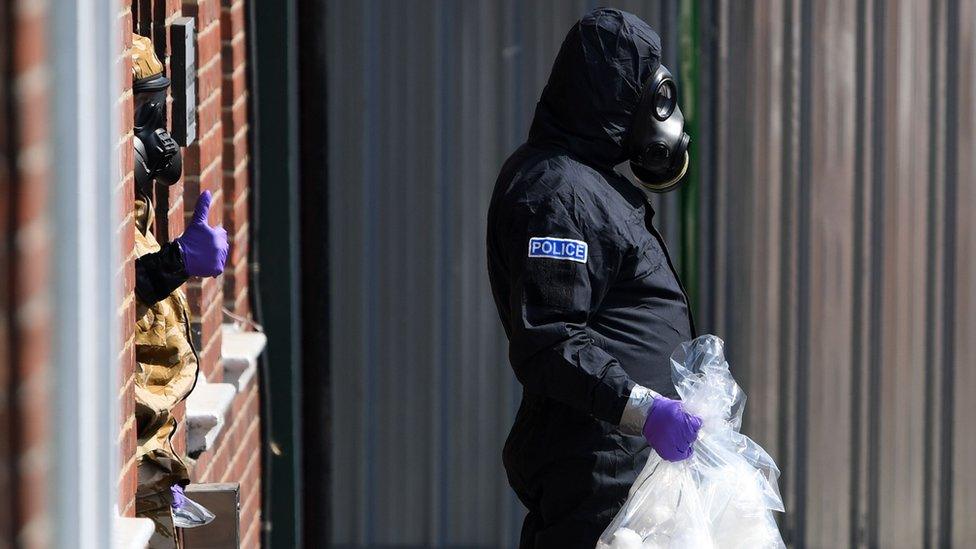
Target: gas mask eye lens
(665, 99)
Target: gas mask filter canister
(657, 145)
(157, 155)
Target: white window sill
(131, 532)
(208, 404)
(206, 408)
(239, 353)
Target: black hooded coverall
(581, 334)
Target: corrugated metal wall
(836, 256)
(832, 250)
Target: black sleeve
(159, 273)
(551, 300)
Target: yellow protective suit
(166, 372)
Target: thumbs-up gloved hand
(204, 248)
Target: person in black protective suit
(585, 288)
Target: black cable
(254, 168)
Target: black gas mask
(657, 145)
(157, 154)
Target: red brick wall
(237, 457)
(216, 161)
(202, 170)
(25, 318)
(236, 152)
(126, 273)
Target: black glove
(159, 273)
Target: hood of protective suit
(589, 102)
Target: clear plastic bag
(724, 495)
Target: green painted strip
(688, 29)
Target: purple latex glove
(179, 498)
(204, 248)
(670, 430)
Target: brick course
(126, 236)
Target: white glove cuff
(636, 410)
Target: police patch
(558, 248)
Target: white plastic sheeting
(723, 496)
